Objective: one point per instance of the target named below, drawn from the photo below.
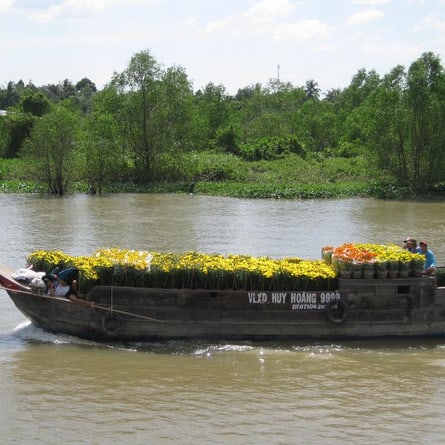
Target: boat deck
(7, 282)
(6, 270)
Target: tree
(212, 109)
(348, 103)
(100, 148)
(156, 112)
(52, 92)
(332, 95)
(4, 136)
(383, 121)
(67, 90)
(35, 103)
(86, 84)
(316, 125)
(362, 85)
(140, 83)
(85, 91)
(312, 90)
(109, 101)
(177, 111)
(425, 100)
(18, 126)
(250, 103)
(402, 123)
(9, 96)
(267, 112)
(226, 139)
(18, 122)
(52, 145)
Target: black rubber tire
(337, 311)
(111, 323)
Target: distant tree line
(147, 122)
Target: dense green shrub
(227, 140)
(197, 166)
(271, 148)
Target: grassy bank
(289, 177)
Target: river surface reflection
(61, 389)
(80, 224)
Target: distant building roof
(3, 112)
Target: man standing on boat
(411, 245)
(430, 260)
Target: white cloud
(69, 8)
(6, 4)
(302, 30)
(256, 20)
(190, 20)
(73, 9)
(432, 22)
(268, 10)
(363, 17)
(370, 2)
(242, 43)
(394, 51)
(271, 18)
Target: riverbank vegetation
(148, 131)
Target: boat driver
(411, 245)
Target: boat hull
(359, 308)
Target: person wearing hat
(411, 245)
(430, 260)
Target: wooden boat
(359, 308)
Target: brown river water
(60, 389)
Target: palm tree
(332, 95)
(312, 90)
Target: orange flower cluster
(349, 252)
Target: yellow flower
(231, 265)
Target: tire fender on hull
(111, 322)
(337, 311)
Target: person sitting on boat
(65, 284)
(430, 260)
(411, 245)
(59, 282)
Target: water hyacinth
(190, 270)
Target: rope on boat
(110, 309)
(132, 314)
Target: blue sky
(235, 43)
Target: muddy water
(58, 389)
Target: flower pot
(345, 273)
(368, 274)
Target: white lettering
(303, 297)
(278, 297)
(304, 300)
(326, 297)
(257, 297)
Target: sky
(234, 43)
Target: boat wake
(28, 332)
